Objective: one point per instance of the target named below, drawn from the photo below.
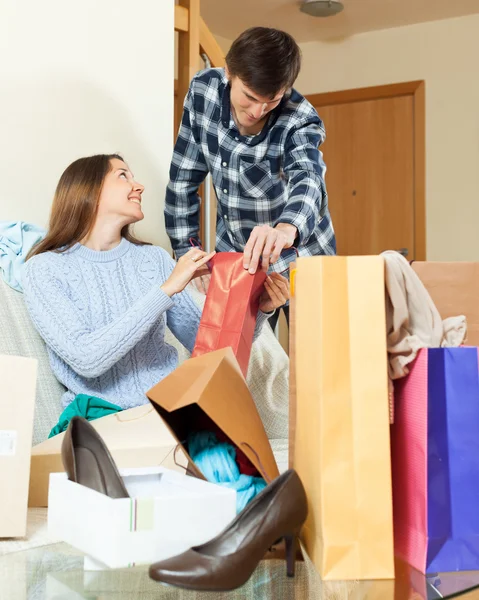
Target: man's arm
(305, 170)
(187, 172)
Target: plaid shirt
(274, 177)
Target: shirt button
(225, 191)
(226, 217)
(237, 139)
(225, 164)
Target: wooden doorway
(375, 157)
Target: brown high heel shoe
(87, 460)
(228, 561)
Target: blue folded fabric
(17, 238)
(217, 462)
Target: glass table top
(56, 572)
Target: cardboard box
(212, 388)
(167, 513)
(18, 381)
(136, 438)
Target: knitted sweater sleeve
(183, 318)
(90, 353)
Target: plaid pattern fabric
(274, 177)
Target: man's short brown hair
(266, 60)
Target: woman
(101, 298)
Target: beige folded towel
(412, 320)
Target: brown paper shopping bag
(454, 289)
(292, 366)
(342, 450)
(136, 437)
(211, 389)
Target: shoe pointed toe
(188, 570)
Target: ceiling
(228, 18)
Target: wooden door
(373, 158)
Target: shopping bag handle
(261, 468)
(117, 415)
(187, 470)
(195, 244)
(292, 281)
(297, 256)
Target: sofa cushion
(19, 337)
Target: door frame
(417, 90)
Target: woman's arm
(183, 317)
(88, 352)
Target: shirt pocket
(256, 180)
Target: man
(259, 139)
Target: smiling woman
(87, 190)
(101, 299)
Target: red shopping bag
(231, 308)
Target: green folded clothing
(88, 407)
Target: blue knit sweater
(103, 318)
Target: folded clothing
(246, 467)
(88, 407)
(217, 461)
(17, 238)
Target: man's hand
(276, 293)
(267, 242)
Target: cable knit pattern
(103, 318)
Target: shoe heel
(291, 542)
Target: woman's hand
(201, 281)
(185, 270)
(276, 293)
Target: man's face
(248, 106)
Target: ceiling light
(322, 8)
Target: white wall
(81, 78)
(445, 54)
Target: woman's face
(121, 195)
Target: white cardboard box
(18, 381)
(166, 514)
(136, 437)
